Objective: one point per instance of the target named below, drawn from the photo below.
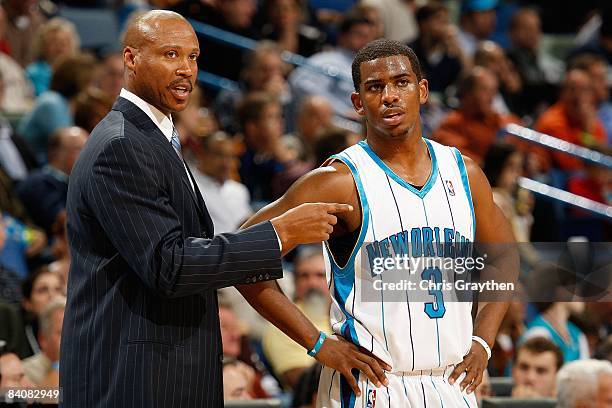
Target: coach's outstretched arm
(146, 231)
(492, 230)
(326, 185)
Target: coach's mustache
(184, 83)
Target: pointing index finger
(335, 208)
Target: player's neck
(403, 151)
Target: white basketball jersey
(409, 335)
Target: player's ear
(357, 104)
(423, 91)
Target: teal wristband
(318, 344)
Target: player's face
(537, 371)
(165, 67)
(390, 96)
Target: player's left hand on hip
(473, 365)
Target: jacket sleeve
(136, 216)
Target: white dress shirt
(163, 122)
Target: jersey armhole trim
(365, 216)
(466, 185)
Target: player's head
(389, 87)
(536, 363)
(160, 52)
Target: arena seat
(501, 386)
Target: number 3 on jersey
(435, 310)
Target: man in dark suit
(141, 326)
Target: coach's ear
(355, 98)
(129, 58)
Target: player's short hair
(383, 48)
(539, 345)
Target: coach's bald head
(160, 51)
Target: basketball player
(401, 185)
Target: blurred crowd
(489, 63)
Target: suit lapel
(135, 115)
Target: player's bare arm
(492, 227)
(324, 187)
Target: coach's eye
(172, 54)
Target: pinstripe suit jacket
(141, 326)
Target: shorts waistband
(435, 372)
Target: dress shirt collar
(163, 122)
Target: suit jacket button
(248, 280)
(260, 277)
(267, 276)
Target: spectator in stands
(490, 55)
(227, 200)
(17, 94)
(235, 346)
(11, 329)
(11, 372)
(90, 107)
(474, 126)
(534, 372)
(38, 290)
(539, 71)
(371, 13)
(44, 191)
(24, 18)
(21, 243)
(54, 108)
(235, 16)
(110, 78)
(17, 158)
(572, 118)
(264, 156)
(315, 115)
(264, 71)
(355, 32)
(477, 23)
(40, 366)
(333, 141)
(503, 165)
(60, 250)
(553, 323)
(437, 47)
(285, 25)
(9, 202)
(597, 68)
(397, 18)
(237, 379)
(311, 297)
(586, 383)
(55, 40)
